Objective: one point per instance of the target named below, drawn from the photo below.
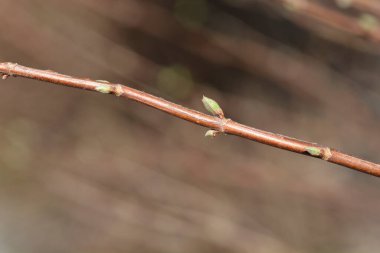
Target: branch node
(10, 68)
(119, 90)
(326, 154)
(222, 124)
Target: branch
(360, 26)
(217, 124)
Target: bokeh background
(86, 172)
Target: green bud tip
(212, 106)
(313, 151)
(103, 89)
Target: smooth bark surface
(219, 124)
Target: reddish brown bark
(220, 124)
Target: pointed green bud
(103, 89)
(211, 133)
(313, 151)
(212, 106)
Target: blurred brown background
(85, 172)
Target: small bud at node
(213, 107)
(103, 89)
(211, 133)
